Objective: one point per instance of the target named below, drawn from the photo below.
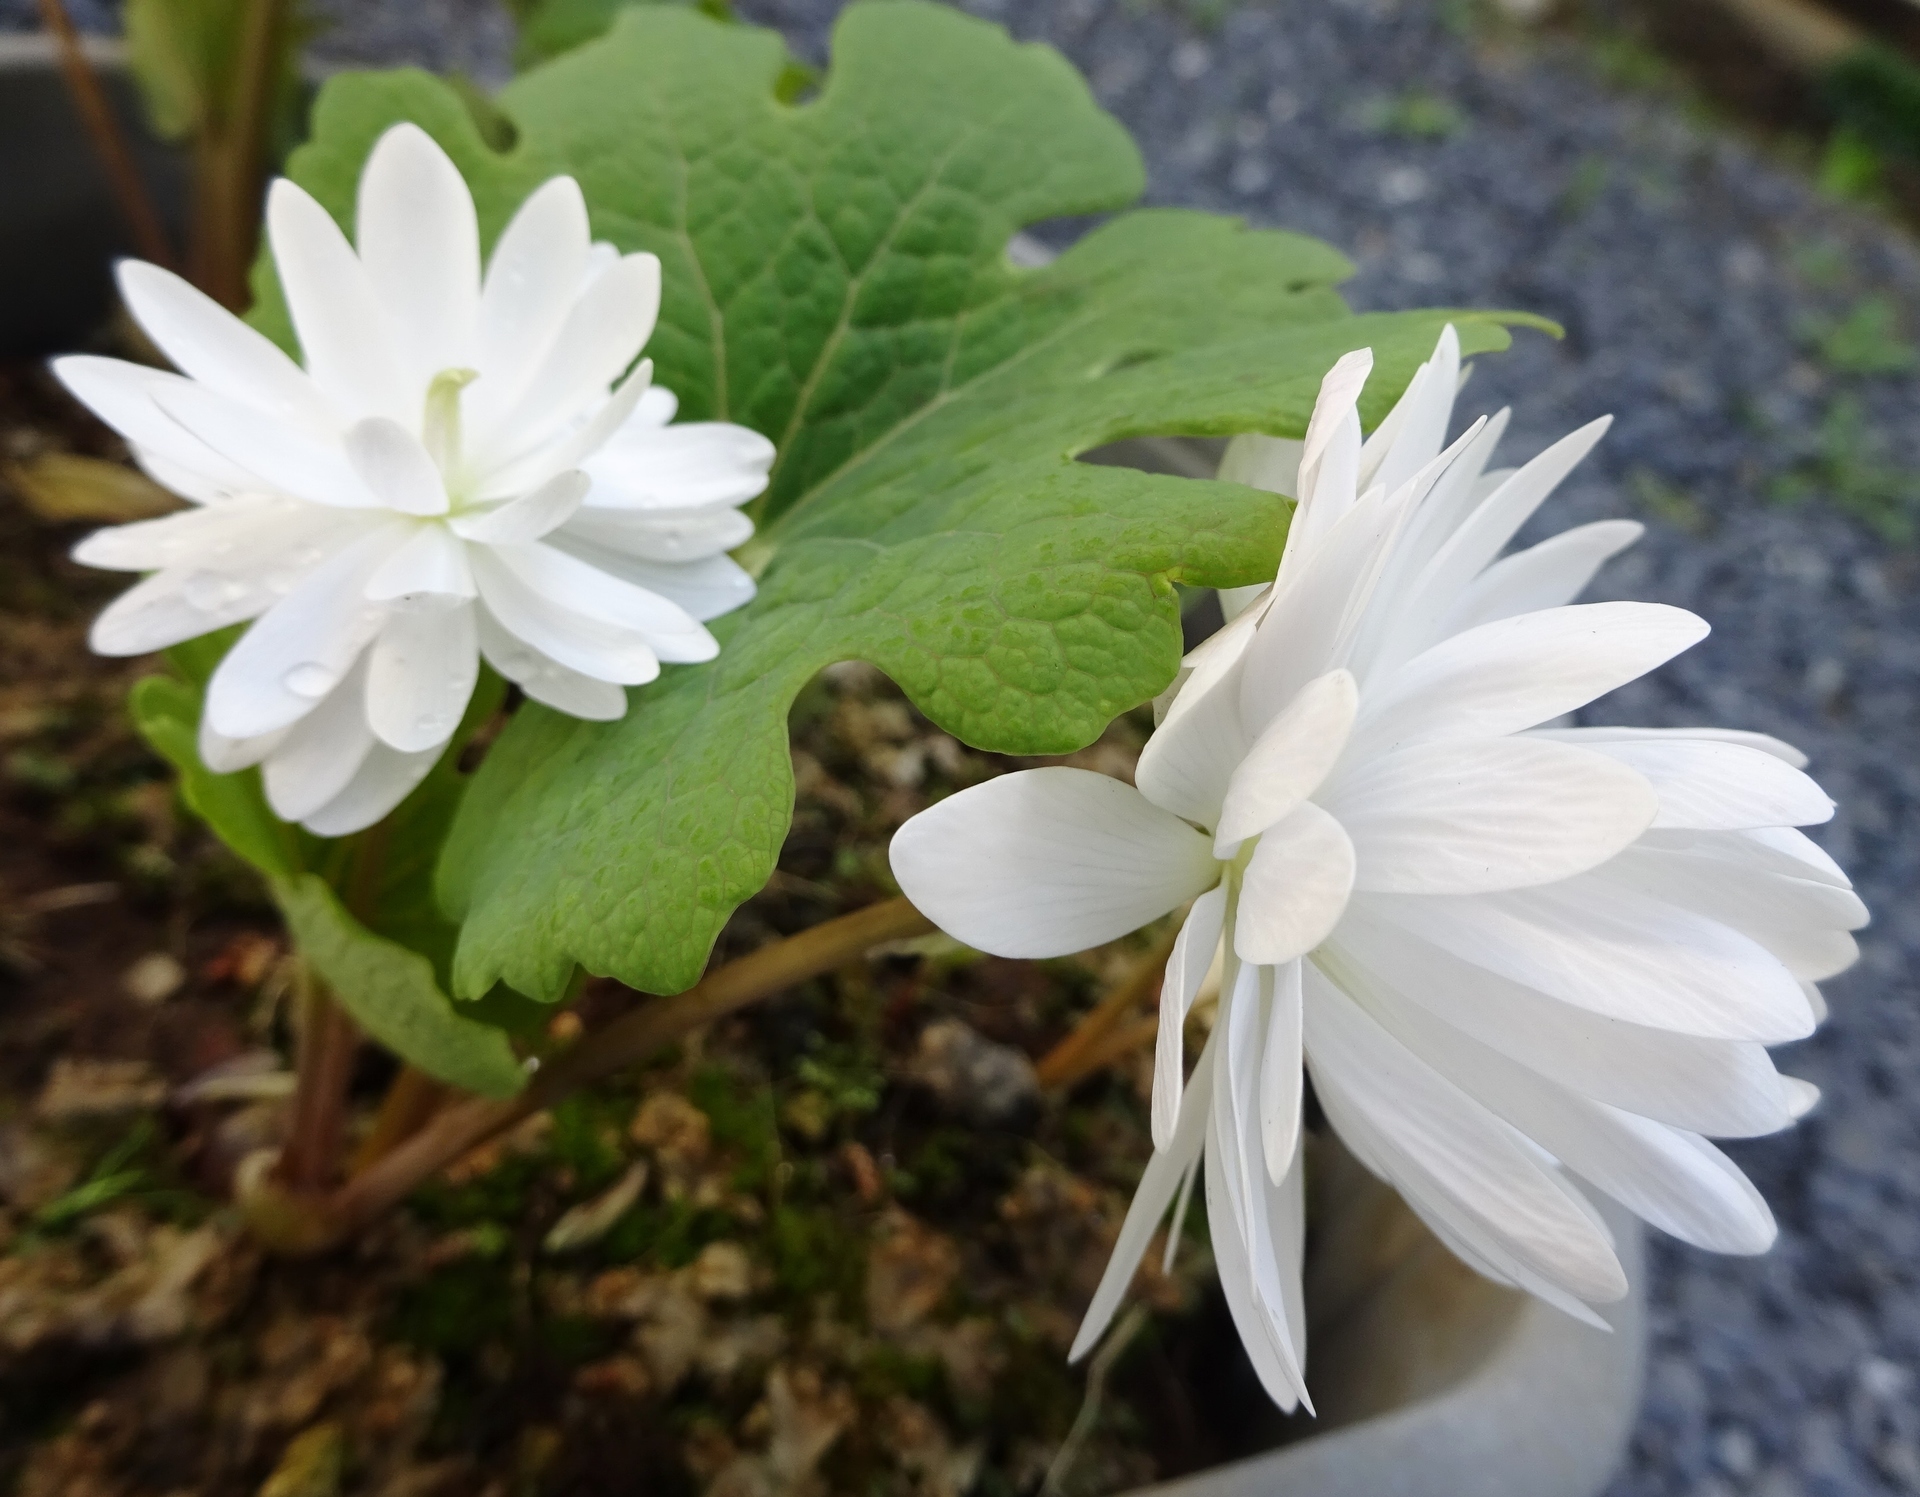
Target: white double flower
(1504, 952)
(469, 465)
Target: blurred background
(1716, 198)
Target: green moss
(887, 1370)
(586, 1138)
(669, 1235)
(1867, 340)
(815, 1253)
(1418, 114)
(1668, 502)
(741, 1113)
(459, 1307)
(1850, 470)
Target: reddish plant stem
(231, 165)
(328, 1041)
(410, 1102)
(1089, 1044)
(628, 1040)
(96, 114)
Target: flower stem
(327, 1044)
(408, 1106)
(231, 160)
(97, 115)
(456, 1130)
(1100, 1038)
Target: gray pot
(60, 229)
(1431, 1381)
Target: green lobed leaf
(167, 713)
(836, 277)
(391, 993)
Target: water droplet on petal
(208, 591)
(310, 679)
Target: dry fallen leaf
(63, 488)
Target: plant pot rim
(1547, 1413)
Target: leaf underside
(389, 972)
(836, 277)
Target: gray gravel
(1687, 268)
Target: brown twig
(1085, 1048)
(627, 1041)
(96, 114)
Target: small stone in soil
(971, 1076)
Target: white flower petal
(1455, 491)
(225, 755)
(385, 778)
(1416, 430)
(1295, 888)
(420, 244)
(547, 681)
(1727, 1088)
(420, 674)
(1549, 575)
(1480, 538)
(1594, 944)
(1803, 923)
(122, 395)
(698, 464)
(1280, 1074)
(570, 449)
(1518, 673)
(208, 343)
(1787, 842)
(1472, 817)
(1150, 1201)
(1273, 1360)
(1766, 743)
(1674, 1179)
(1802, 1096)
(706, 589)
(1440, 1146)
(1193, 952)
(304, 645)
(396, 469)
(1188, 763)
(1048, 861)
(527, 518)
(591, 646)
(431, 562)
(189, 536)
(1316, 605)
(341, 326)
(1707, 784)
(237, 572)
(602, 335)
(668, 536)
(1290, 759)
(178, 604)
(283, 457)
(532, 280)
(321, 752)
(1330, 455)
(669, 630)
(1259, 1249)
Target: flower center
(440, 424)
